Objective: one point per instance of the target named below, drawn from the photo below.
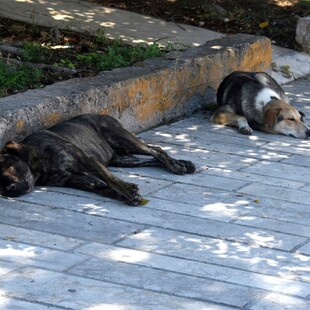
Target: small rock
(71, 290)
(303, 33)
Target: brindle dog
(75, 154)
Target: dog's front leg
(229, 118)
(90, 183)
(126, 191)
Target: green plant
(119, 55)
(65, 62)
(100, 37)
(33, 52)
(18, 78)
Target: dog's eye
(292, 119)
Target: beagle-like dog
(249, 100)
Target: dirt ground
(32, 56)
(275, 19)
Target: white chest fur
(264, 97)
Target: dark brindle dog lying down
(75, 154)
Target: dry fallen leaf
(263, 24)
(11, 238)
(143, 202)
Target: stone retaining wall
(141, 96)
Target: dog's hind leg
(229, 118)
(125, 143)
(161, 158)
(128, 161)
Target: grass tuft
(14, 78)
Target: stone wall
(142, 96)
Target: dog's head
(16, 177)
(282, 118)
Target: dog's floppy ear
(302, 116)
(14, 148)
(271, 118)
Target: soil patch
(275, 19)
(32, 56)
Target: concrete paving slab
(278, 302)
(195, 179)
(240, 175)
(6, 267)
(290, 66)
(72, 292)
(283, 211)
(194, 268)
(305, 249)
(168, 282)
(275, 225)
(282, 170)
(298, 160)
(203, 139)
(33, 237)
(277, 192)
(25, 254)
(71, 224)
(13, 304)
(220, 252)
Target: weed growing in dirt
(33, 56)
(34, 52)
(14, 78)
(119, 55)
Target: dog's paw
(190, 167)
(181, 167)
(177, 167)
(131, 194)
(246, 130)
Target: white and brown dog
(254, 100)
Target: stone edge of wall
(142, 96)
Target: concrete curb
(142, 96)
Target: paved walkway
(235, 235)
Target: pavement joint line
(295, 249)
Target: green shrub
(118, 55)
(18, 78)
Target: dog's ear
(12, 148)
(302, 116)
(271, 118)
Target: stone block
(303, 33)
